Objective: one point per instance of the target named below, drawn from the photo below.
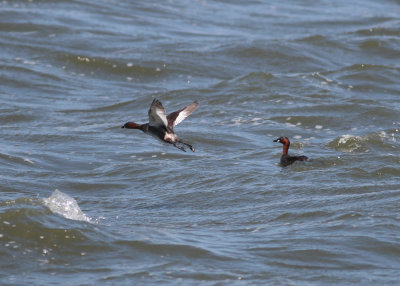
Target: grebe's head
(283, 140)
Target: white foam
(65, 205)
(290, 124)
(351, 143)
(28, 160)
(344, 138)
(383, 134)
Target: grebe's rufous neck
(286, 159)
(162, 126)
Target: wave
(348, 143)
(359, 144)
(62, 204)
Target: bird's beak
(277, 140)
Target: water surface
(86, 202)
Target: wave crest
(66, 206)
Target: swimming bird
(162, 126)
(286, 159)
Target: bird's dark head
(283, 140)
(131, 125)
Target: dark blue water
(85, 202)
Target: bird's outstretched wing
(157, 114)
(178, 116)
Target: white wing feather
(157, 114)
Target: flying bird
(162, 126)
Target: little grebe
(286, 159)
(162, 126)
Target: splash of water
(65, 205)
